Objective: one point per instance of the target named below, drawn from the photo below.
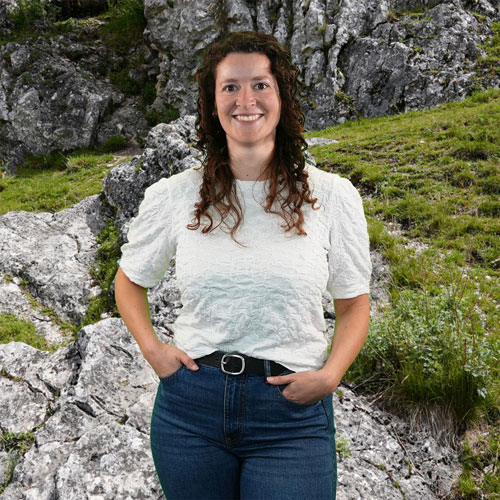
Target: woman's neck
(249, 164)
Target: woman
(244, 404)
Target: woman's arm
(132, 302)
(351, 328)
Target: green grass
(51, 184)
(104, 273)
(17, 445)
(57, 181)
(492, 48)
(14, 329)
(432, 178)
(124, 25)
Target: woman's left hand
(305, 387)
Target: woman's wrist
(332, 377)
(150, 345)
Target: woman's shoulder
(179, 184)
(330, 185)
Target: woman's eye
(260, 83)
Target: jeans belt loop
(224, 360)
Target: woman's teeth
(247, 118)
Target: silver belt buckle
(223, 361)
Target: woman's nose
(245, 97)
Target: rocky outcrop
(357, 57)
(93, 399)
(53, 253)
(168, 150)
(52, 99)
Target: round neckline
(245, 181)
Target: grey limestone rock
(168, 150)
(53, 253)
(381, 451)
(14, 301)
(95, 443)
(17, 396)
(51, 99)
(356, 57)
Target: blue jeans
(216, 436)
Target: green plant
(114, 143)
(104, 272)
(124, 24)
(342, 447)
(154, 117)
(14, 329)
(124, 82)
(431, 346)
(26, 13)
(148, 93)
(16, 445)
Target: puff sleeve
(349, 263)
(146, 256)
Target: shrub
(430, 346)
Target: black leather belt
(235, 363)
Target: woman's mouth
(247, 118)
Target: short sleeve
(349, 263)
(146, 256)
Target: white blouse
(262, 300)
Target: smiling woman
(248, 106)
(244, 404)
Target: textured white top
(264, 300)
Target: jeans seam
(326, 415)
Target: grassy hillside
(431, 184)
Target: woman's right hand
(165, 359)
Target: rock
(168, 150)
(96, 441)
(53, 253)
(21, 410)
(51, 99)
(414, 65)
(13, 301)
(382, 452)
(354, 58)
(320, 141)
(43, 372)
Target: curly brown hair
(288, 159)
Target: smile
(247, 118)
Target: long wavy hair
(286, 169)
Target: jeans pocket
(280, 388)
(173, 374)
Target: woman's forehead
(241, 66)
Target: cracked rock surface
(14, 301)
(355, 56)
(53, 253)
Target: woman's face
(247, 99)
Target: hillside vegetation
(431, 184)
